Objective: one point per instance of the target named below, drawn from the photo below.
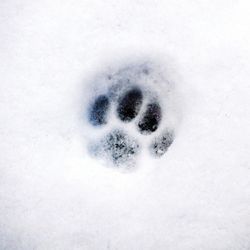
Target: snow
(54, 196)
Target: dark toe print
(129, 105)
(151, 119)
(98, 111)
(119, 147)
(161, 144)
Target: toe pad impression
(129, 105)
(161, 144)
(98, 111)
(151, 119)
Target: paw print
(127, 116)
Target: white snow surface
(53, 196)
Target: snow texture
(56, 57)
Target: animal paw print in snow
(128, 113)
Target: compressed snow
(54, 195)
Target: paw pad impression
(128, 107)
(117, 147)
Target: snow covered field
(54, 196)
